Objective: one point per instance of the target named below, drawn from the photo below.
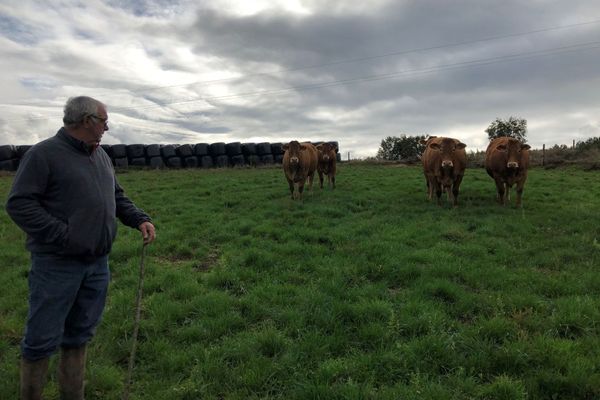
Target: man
(66, 198)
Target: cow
(506, 161)
(444, 162)
(299, 163)
(327, 163)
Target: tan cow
(327, 163)
(444, 162)
(506, 161)
(299, 163)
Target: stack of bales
(199, 155)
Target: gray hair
(77, 108)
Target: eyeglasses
(104, 120)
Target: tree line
(409, 148)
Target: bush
(403, 148)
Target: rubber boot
(33, 378)
(71, 371)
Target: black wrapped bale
(338, 157)
(206, 162)
(167, 151)
(248, 149)
(156, 163)
(152, 150)
(201, 149)
(9, 165)
(253, 160)
(135, 151)
(277, 148)
(278, 159)
(22, 149)
(190, 162)
(217, 149)
(118, 151)
(185, 150)
(173, 162)
(233, 149)
(138, 162)
(237, 160)
(221, 161)
(263, 148)
(121, 162)
(8, 152)
(267, 159)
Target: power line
(484, 61)
(411, 72)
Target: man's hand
(148, 232)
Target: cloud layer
(177, 72)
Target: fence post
(543, 155)
(573, 143)
(348, 156)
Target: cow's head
(293, 148)
(447, 147)
(427, 140)
(513, 149)
(326, 151)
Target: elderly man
(66, 198)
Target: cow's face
(294, 148)
(325, 151)
(514, 150)
(447, 148)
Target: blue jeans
(66, 300)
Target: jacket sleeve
(25, 202)
(127, 212)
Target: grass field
(367, 291)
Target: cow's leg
(333, 180)
(300, 189)
(311, 176)
(455, 190)
(520, 185)
(430, 188)
(500, 190)
(291, 184)
(438, 191)
(321, 179)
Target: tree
(514, 127)
(404, 148)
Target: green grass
(367, 291)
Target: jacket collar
(76, 143)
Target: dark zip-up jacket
(66, 198)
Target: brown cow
(299, 163)
(327, 163)
(506, 161)
(444, 163)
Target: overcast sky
(276, 70)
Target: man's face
(97, 124)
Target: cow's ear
(335, 148)
(435, 146)
(285, 146)
(460, 145)
(501, 147)
(319, 147)
(525, 147)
